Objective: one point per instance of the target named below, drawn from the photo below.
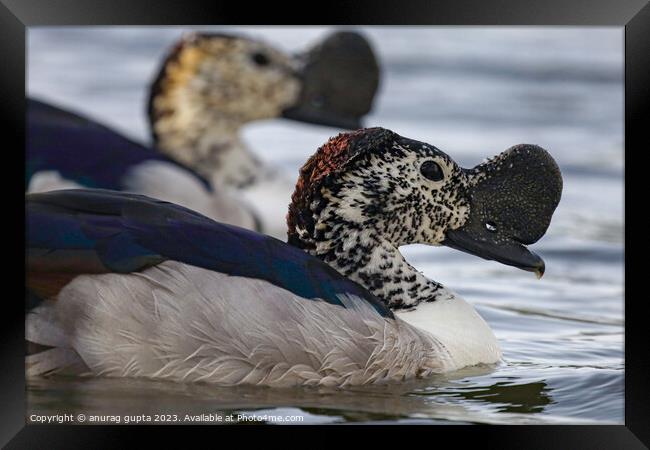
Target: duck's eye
(432, 171)
(491, 227)
(260, 59)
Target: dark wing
(70, 232)
(82, 150)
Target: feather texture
(184, 323)
(83, 231)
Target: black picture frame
(17, 15)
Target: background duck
(207, 88)
(258, 311)
(66, 150)
(211, 85)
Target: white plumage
(183, 323)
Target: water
(471, 92)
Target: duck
(207, 88)
(131, 286)
(65, 150)
(203, 129)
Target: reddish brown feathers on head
(328, 160)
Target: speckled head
(208, 75)
(340, 77)
(374, 179)
(373, 182)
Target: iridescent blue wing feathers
(82, 150)
(118, 232)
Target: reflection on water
(135, 397)
(445, 399)
(472, 92)
(520, 398)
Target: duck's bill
(339, 80)
(312, 114)
(511, 253)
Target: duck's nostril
(491, 226)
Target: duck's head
(382, 185)
(210, 76)
(216, 81)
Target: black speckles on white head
(376, 179)
(365, 193)
(392, 193)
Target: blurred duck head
(215, 83)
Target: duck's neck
(376, 263)
(361, 254)
(225, 159)
(209, 143)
